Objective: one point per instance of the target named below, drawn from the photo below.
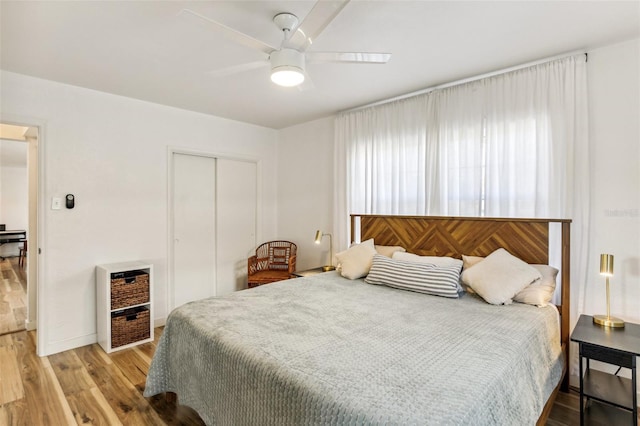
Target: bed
(327, 350)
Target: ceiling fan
(288, 62)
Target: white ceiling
(145, 50)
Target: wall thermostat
(70, 201)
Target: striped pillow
(420, 277)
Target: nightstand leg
(581, 389)
(634, 387)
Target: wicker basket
(129, 288)
(130, 326)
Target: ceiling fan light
(287, 67)
(287, 76)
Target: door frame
(171, 150)
(36, 252)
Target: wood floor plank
(71, 373)
(55, 384)
(6, 341)
(8, 323)
(41, 393)
(146, 351)
(15, 285)
(16, 298)
(127, 402)
(20, 314)
(5, 307)
(11, 388)
(13, 296)
(86, 402)
(133, 366)
(90, 407)
(16, 413)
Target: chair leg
(22, 254)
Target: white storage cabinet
(124, 305)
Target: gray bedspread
(326, 350)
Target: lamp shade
(318, 237)
(606, 265)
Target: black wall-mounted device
(70, 201)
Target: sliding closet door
(236, 216)
(194, 228)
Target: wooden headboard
(528, 239)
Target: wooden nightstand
(610, 399)
(308, 272)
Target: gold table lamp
(319, 236)
(606, 269)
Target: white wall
(614, 127)
(111, 153)
(305, 189)
(13, 195)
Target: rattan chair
(273, 261)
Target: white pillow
(389, 251)
(355, 262)
(499, 277)
(540, 292)
(469, 261)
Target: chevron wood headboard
(528, 239)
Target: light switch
(56, 203)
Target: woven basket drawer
(130, 326)
(129, 288)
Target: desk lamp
(606, 269)
(319, 236)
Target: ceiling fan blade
(322, 13)
(352, 57)
(307, 84)
(230, 33)
(237, 69)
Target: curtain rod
(467, 80)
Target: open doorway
(18, 226)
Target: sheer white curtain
(501, 146)
(511, 145)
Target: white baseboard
(76, 342)
(66, 345)
(30, 325)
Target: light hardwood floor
(88, 386)
(13, 296)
